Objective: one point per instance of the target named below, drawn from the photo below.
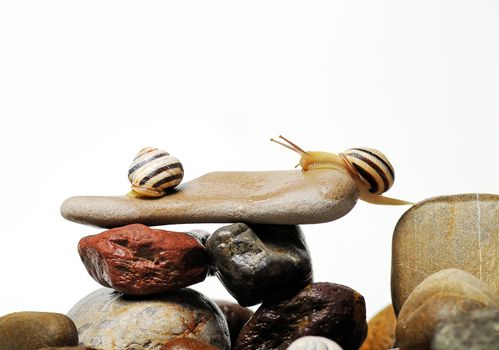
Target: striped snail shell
(371, 166)
(370, 169)
(154, 171)
(310, 342)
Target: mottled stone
(32, 330)
(476, 330)
(381, 330)
(440, 297)
(322, 309)
(67, 348)
(314, 343)
(269, 197)
(260, 262)
(187, 344)
(460, 231)
(138, 260)
(236, 317)
(110, 320)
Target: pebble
(186, 344)
(33, 330)
(236, 317)
(110, 320)
(476, 330)
(260, 262)
(268, 197)
(67, 348)
(322, 309)
(311, 342)
(381, 330)
(139, 260)
(458, 231)
(442, 296)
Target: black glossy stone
(322, 309)
(476, 330)
(260, 262)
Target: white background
(85, 85)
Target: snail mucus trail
(372, 172)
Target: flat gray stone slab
(269, 197)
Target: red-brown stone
(187, 344)
(139, 260)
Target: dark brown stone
(187, 344)
(32, 330)
(139, 260)
(236, 317)
(323, 309)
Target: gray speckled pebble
(314, 343)
(112, 321)
(265, 197)
(477, 330)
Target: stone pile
(261, 258)
(444, 284)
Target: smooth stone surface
(112, 321)
(33, 330)
(477, 330)
(260, 262)
(322, 309)
(187, 344)
(460, 231)
(236, 317)
(381, 330)
(67, 348)
(314, 343)
(442, 296)
(139, 260)
(269, 197)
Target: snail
(153, 172)
(370, 169)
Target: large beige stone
(270, 197)
(460, 231)
(442, 296)
(109, 320)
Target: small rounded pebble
(314, 343)
(32, 330)
(187, 344)
(476, 330)
(442, 296)
(236, 317)
(381, 330)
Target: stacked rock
(261, 258)
(445, 277)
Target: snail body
(370, 169)
(153, 172)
